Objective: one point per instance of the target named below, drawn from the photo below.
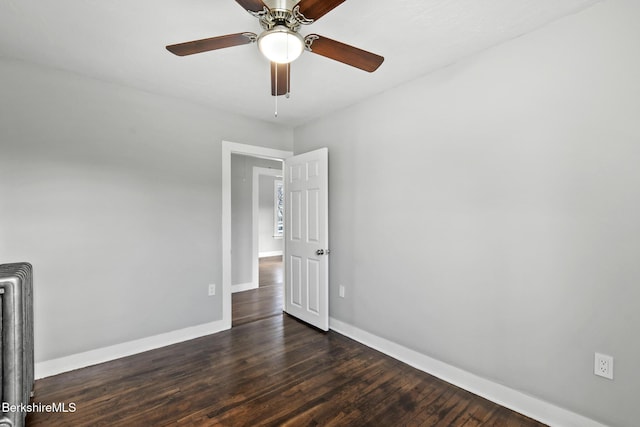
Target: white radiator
(16, 346)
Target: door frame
(229, 148)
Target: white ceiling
(123, 41)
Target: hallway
(266, 300)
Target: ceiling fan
(281, 41)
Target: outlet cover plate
(603, 366)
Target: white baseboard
(241, 287)
(269, 253)
(105, 354)
(530, 406)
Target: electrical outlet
(212, 289)
(341, 291)
(603, 366)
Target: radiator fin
(16, 345)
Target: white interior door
(306, 291)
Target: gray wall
(114, 195)
(266, 241)
(491, 212)
(241, 214)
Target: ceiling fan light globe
(281, 45)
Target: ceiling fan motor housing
(279, 17)
(281, 4)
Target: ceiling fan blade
(213, 43)
(280, 78)
(252, 5)
(316, 9)
(344, 53)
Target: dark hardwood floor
(269, 370)
(266, 301)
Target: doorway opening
(242, 165)
(257, 231)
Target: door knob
(320, 252)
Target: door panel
(307, 237)
(295, 218)
(296, 280)
(313, 225)
(313, 278)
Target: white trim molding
(106, 354)
(269, 253)
(525, 404)
(241, 287)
